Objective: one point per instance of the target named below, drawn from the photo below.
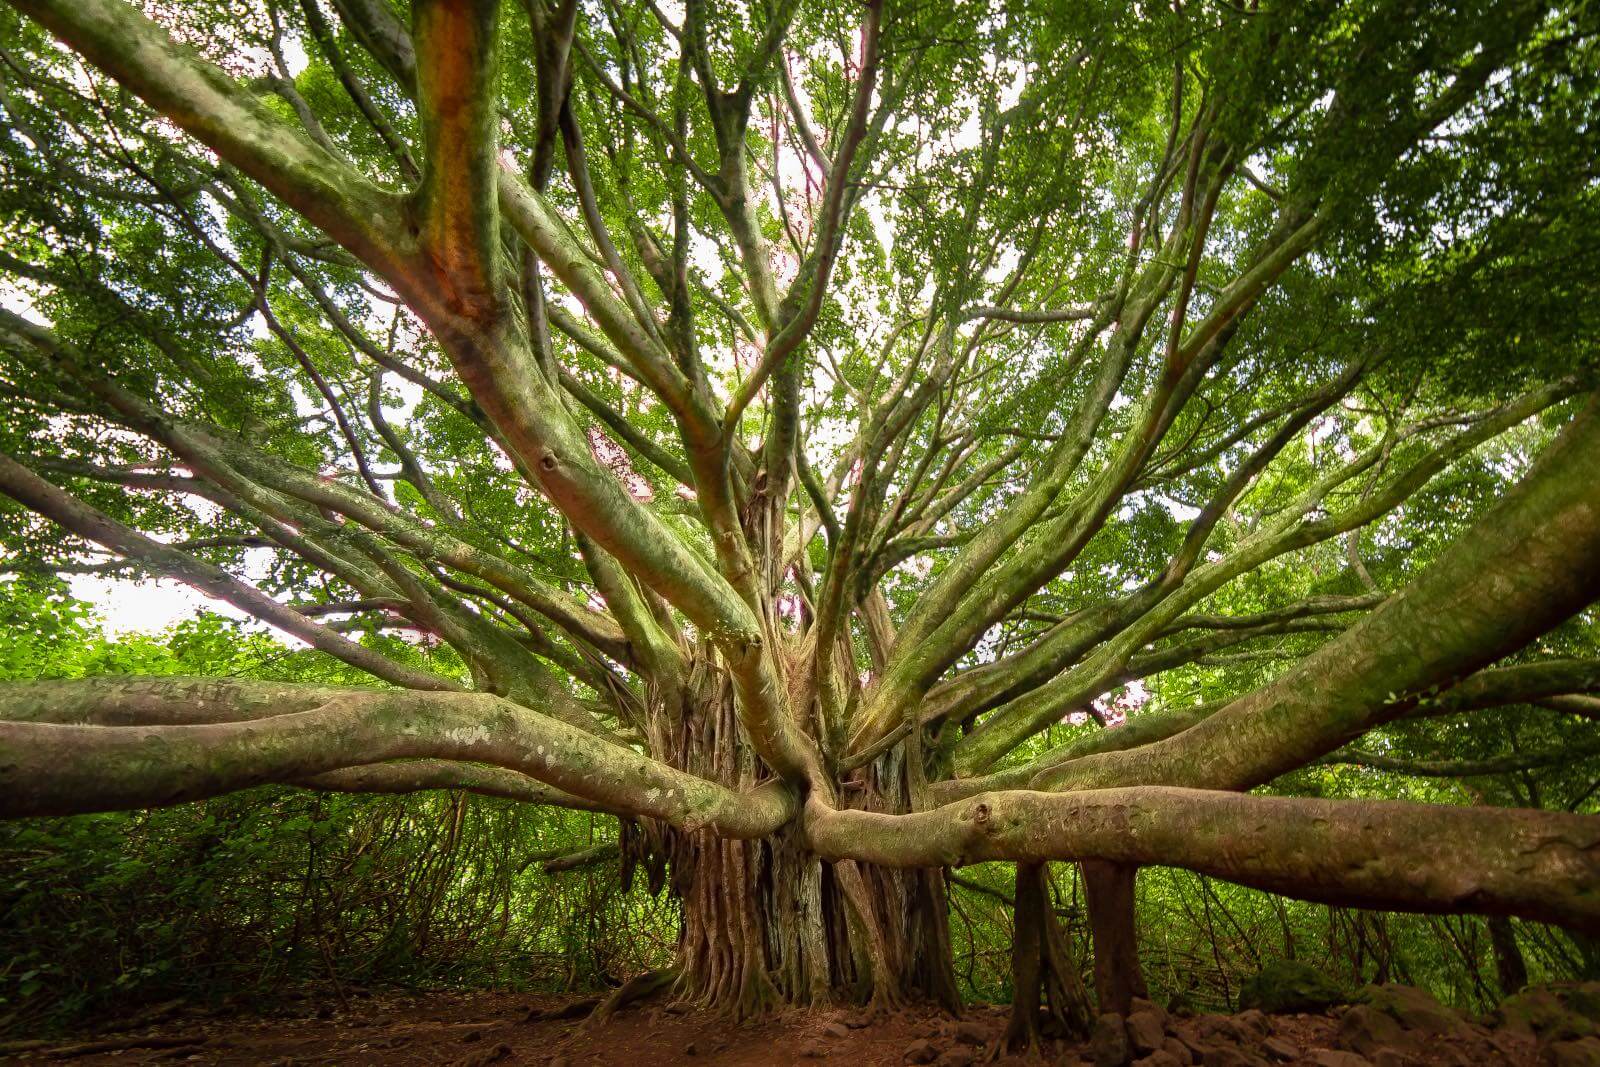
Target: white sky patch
(145, 606)
(18, 301)
(1179, 510)
(294, 54)
(152, 605)
(410, 396)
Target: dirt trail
(480, 1029)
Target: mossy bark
(1048, 998)
(1113, 923)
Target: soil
(502, 1029)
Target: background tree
(801, 429)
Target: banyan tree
(842, 441)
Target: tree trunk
(1109, 889)
(1510, 966)
(1042, 968)
(766, 923)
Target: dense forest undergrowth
(254, 900)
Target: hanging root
(1108, 888)
(1065, 994)
(932, 911)
(887, 993)
(1042, 968)
(1027, 961)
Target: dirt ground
(478, 1029)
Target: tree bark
(1510, 966)
(1113, 924)
(1042, 968)
(768, 923)
(733, 691)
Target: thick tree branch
(1375, 854)
(49, 767)
(457, 47)
(412, 776)
(1463, 768)
(1542, 682)
(1528, 564)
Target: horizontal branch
(1587, 707)
(133, 701)
(1391, 855)
(1311, 606)
(588, 857)
(413, 776)
(56, 760)
(1046, 315)
(1464, 768)
(1549, 682)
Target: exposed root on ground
(635, 989)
